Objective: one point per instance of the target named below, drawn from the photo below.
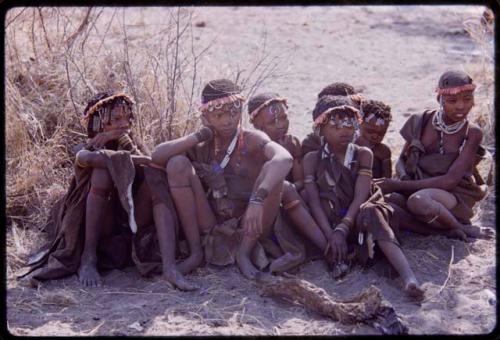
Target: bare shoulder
(475, 133)
(256, 139)
(310, 158)
(365, 156)
(382, 151)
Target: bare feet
(458, 234)
(284, 263)
(246, 267)
(478, 232)
(174, 277)
(413, 289)
(88, 275)
(192, 262)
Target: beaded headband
(220, 102)
(379, 121)
(255, 112)
(323, 117)
(456, 89)
(97, 106)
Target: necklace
(439, 124)
(229, 151)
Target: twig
(17, 15)
(447, 277)
(44, 30)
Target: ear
(438, 98)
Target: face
(337, 135)
(373, 133)
(458, 106)
(273, 120)
(119, 119)
(224, 120)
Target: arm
(273, 172)
(455, 173)
(297, 168)
(278, 165)
(162, 152)
(386, 163)
(400, 165)
(362, 185)
(310, 160)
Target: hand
(338, 244)
(100, 140)
(387, 185)
(205, 133)
(252, 220)
(141, 160)
(205, 123)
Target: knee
(101, 179)
(366, 216)
(178, 166)
(289, 192)
(419, 204)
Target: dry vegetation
(57, 58)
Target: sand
(393, 54)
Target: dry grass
(481, 31)
(57, 58)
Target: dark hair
(257, 100)
(453, 78)
(219, 88)
(337, 89)
(326, 102)
(94, 124)
(378, 108)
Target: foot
(192, 262)
(246, 267)
(88, 275)
(284, 263)
(174, 277)
(478, 232)
(30, 281)
(457, 234)
(413, 290)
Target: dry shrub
(480, 30)
(57, 58)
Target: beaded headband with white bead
(97, 107)
(379, 121)
(323, 118)
(218, 103)
(255, 112)
(455, 89)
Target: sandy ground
(391, 54)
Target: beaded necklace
(439, 124)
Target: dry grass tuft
(57, 58)
(60, 298)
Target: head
(376, 117)
(342, 89)
(268, 113)
(455, 95)
(222, 104)
(337, 89)
(335, 119)
(107, 111)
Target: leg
(180, 176)
(301, 218)
(271, 208)
(166, 238)
(391, 250)
(431, 205)
(97, 204)
(149, 209)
